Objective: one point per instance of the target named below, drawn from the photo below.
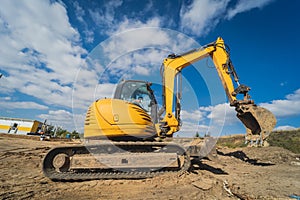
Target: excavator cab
(138, 93)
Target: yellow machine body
(115, 118)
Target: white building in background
(19, 126)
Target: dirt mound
(243, 173)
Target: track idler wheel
(61, 162)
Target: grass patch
(289, 139)
(234, 141)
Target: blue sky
(56, 57)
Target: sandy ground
(247, 173)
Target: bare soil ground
(241, 173)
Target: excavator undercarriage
(115, 160)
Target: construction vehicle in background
(129, 137)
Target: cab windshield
(137, 93)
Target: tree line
(59, 132)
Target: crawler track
(66, 173)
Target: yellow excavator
(127, 136)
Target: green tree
(207, 134)
(60, 132)
(75, 135)
(50, 130)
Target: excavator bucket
(258, 121)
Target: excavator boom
(257, 120)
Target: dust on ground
(240, 173)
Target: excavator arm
(257, 120)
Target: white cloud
(212, 119)
(40, 51)
(84, 95)
(200, 16)
(195, 115)
(141, 70)
(284, 128)
(60, 118)
(105, 17)
(136, 38)
(105, 90)
(140, 49)
(80, 15)
(290, 106)
(22, 105)
(219, 113)
(189, 129)
(86, 87)
(246, 5)
(79, 12)
(145, 62)
(284, 83)
(222, 113)
(128, 24)
(5, 98)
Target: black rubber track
(93, 174)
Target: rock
(295, 163)
(203, 184)
(43, 182)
